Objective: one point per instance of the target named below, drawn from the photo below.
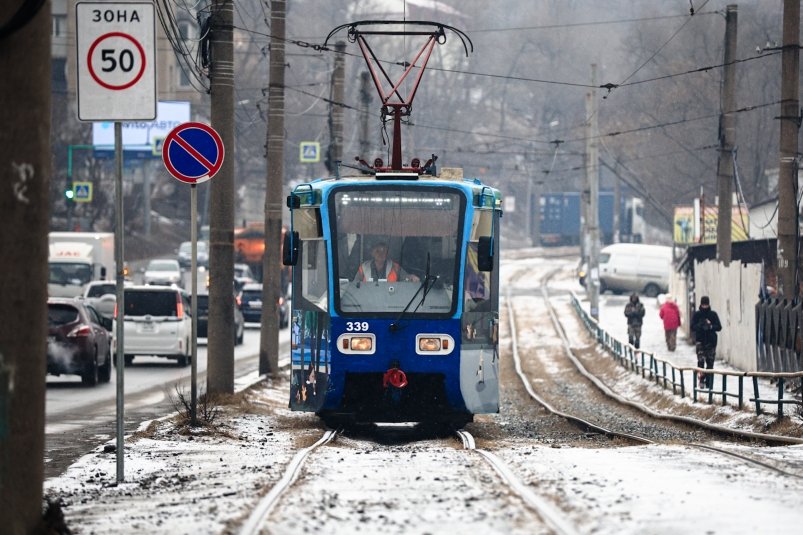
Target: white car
(157, 322)
(162, 271)
(102, 295)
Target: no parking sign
(193, 152)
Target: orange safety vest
(393, 276)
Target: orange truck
(249, 248)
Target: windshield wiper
(426, 286)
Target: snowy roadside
(179, 480)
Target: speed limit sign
(116, 61)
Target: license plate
(148, 327)
(255, 304)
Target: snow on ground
(205, 482)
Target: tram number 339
(126, 60)
(357, 326)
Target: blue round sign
(193, 152)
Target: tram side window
(314, 273)
(479, 302)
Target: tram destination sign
(116, 61)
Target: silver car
(163, 271)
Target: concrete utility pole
(365, 100)
(271, 263)
(787, 176)
(220, 348)
(25, 158)
(727, 137)
(592, 175)
(617, 210)
(336, 109)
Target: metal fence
(683, 379)
(778, 337)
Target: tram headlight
(356, 344)
(429, 344)
(361, 343)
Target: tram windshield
(396, 246)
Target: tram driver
(380, 267)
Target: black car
(78, 341)
(252, 305)
(203, 318)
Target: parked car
(203, 317)
(635, 267)
(157, 322)
(78, 341)
(252, 305)
(162, 271)
(184, 253)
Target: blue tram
(395, 298)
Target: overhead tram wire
(649, 60)
(584, 24)
(321, 48)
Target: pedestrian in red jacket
(670, 313)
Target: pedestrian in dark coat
(705, 325)
(670, 314)
(634, 310)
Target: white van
(635, 267)
(157, 323)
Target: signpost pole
(116, 81)
(120, 271)
(194, 285)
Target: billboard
(142, 136)
(689, 227)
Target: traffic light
(69, 193)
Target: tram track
(551, 515)
(255, 522)
(553, 519)
(585, 424)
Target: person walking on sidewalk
(705, 325)
(670, 314)
(634, 311)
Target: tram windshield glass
(396, 250)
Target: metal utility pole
(787, 176)
(727, 136)
(220, 348)
(592, 175)
(336, 109)
(365, 100)
(271, 263)
(25, 158)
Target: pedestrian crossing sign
(82, 191)
(156, 146)
(310, 152)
